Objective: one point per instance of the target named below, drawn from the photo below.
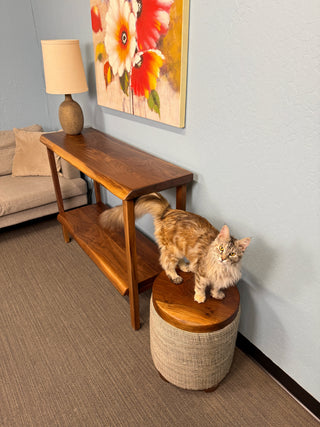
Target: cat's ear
(224, 233)
(244, 243)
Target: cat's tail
(154, 204)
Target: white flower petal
(166, 3)
(128, 64)
(163, 17)
(126, 10)
(121, 69)
(115, 9)
(132, 23)
(132, 48)
(137, 58)
(135, 7)
(115, 64)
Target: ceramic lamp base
(71, 116)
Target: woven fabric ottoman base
(191, 360)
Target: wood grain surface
(126, 257)
(123, 169)
(175, 304)
(108, 249)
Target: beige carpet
(68, 355)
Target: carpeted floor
(69, 357)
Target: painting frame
(140, 56)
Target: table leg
(181, 197)
(130, 238)
(97, 191)
(57, 190)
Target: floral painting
(140, 49)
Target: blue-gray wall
(251, 138)
(22, 98)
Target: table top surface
(125, 170)
(175, 304)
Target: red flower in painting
(145, 72)
(152, 21)
(129, 49)
(95, 19)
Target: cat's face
(227, 249)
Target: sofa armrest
(69, 171)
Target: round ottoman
(192, 344)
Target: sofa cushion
(7, 138)
(20, 193)
(69, 171)
(6, 159)
(8, 146)
(40, 211)
(31, 158)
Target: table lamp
(64, 74)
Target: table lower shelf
(107, 249)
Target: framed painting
(140, 51)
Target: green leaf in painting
(124, 82)
(154, 102)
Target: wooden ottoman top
(175, 305)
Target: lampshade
(63, 67)
(64, 74)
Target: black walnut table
(128, 258)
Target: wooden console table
(128, 258)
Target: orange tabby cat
(213, 256)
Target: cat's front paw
(177, 280)
(199, 298)
(184, 266)
(217, 294)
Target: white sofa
(26, 187)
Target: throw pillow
(8, 146)
(7, 136)
(31, 158)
